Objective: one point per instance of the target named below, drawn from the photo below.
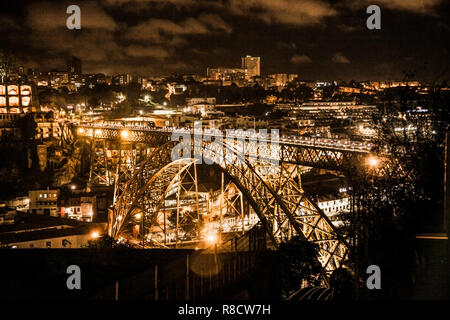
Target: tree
(106, 241)
(388, 210)
(7, 65)
(299, 264)
(27, 126)
(133, 92)
(123, 109)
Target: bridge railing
(342, 144)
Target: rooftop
(29, 227)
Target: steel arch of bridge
(275, 195)
(317, 156)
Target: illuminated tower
(253, 66)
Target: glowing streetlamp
(124, 134)
(95, 234)
(138, 216)
(373, 162)
(80, 131)
(212, 238)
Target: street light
(80, 130)
(124, 134)
(212, 238)
(95, 235)
(373, 162)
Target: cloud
(174, 2)
(46, 16)
(285, 45)
(284, 11)
(416, 6)
(297, 59)
(155, 29)
(339, 58)
(160, 30)
(216, 22)
(141, 51)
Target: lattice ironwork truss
(275, 194)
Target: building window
(13, 90)
(48, 244)
(14, 101)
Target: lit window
(2, 90)
(2, 101)
(13, 90)
(14, 101)
(26, 101)
(25, 90)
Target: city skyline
(315, 39)
(273, 150)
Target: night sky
(316, 39)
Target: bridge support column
(99, 174)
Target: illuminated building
(121, 79)
(74, 69)
(16, 98)
(37, 231)
(252, 65)
(192, 101)
(81, 208)
(58, 79)
(226, 74)
(282, 79)
(44, 202)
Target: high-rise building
(121, 79)
(252, 65)
(74, 68)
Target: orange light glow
(124, 134)
(13, 90)
(95, 234)
(25, 90)
(13, 101)
(26, 101)
(373, 162)
(212, 238)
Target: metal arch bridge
(143, 179)
(332, 154)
